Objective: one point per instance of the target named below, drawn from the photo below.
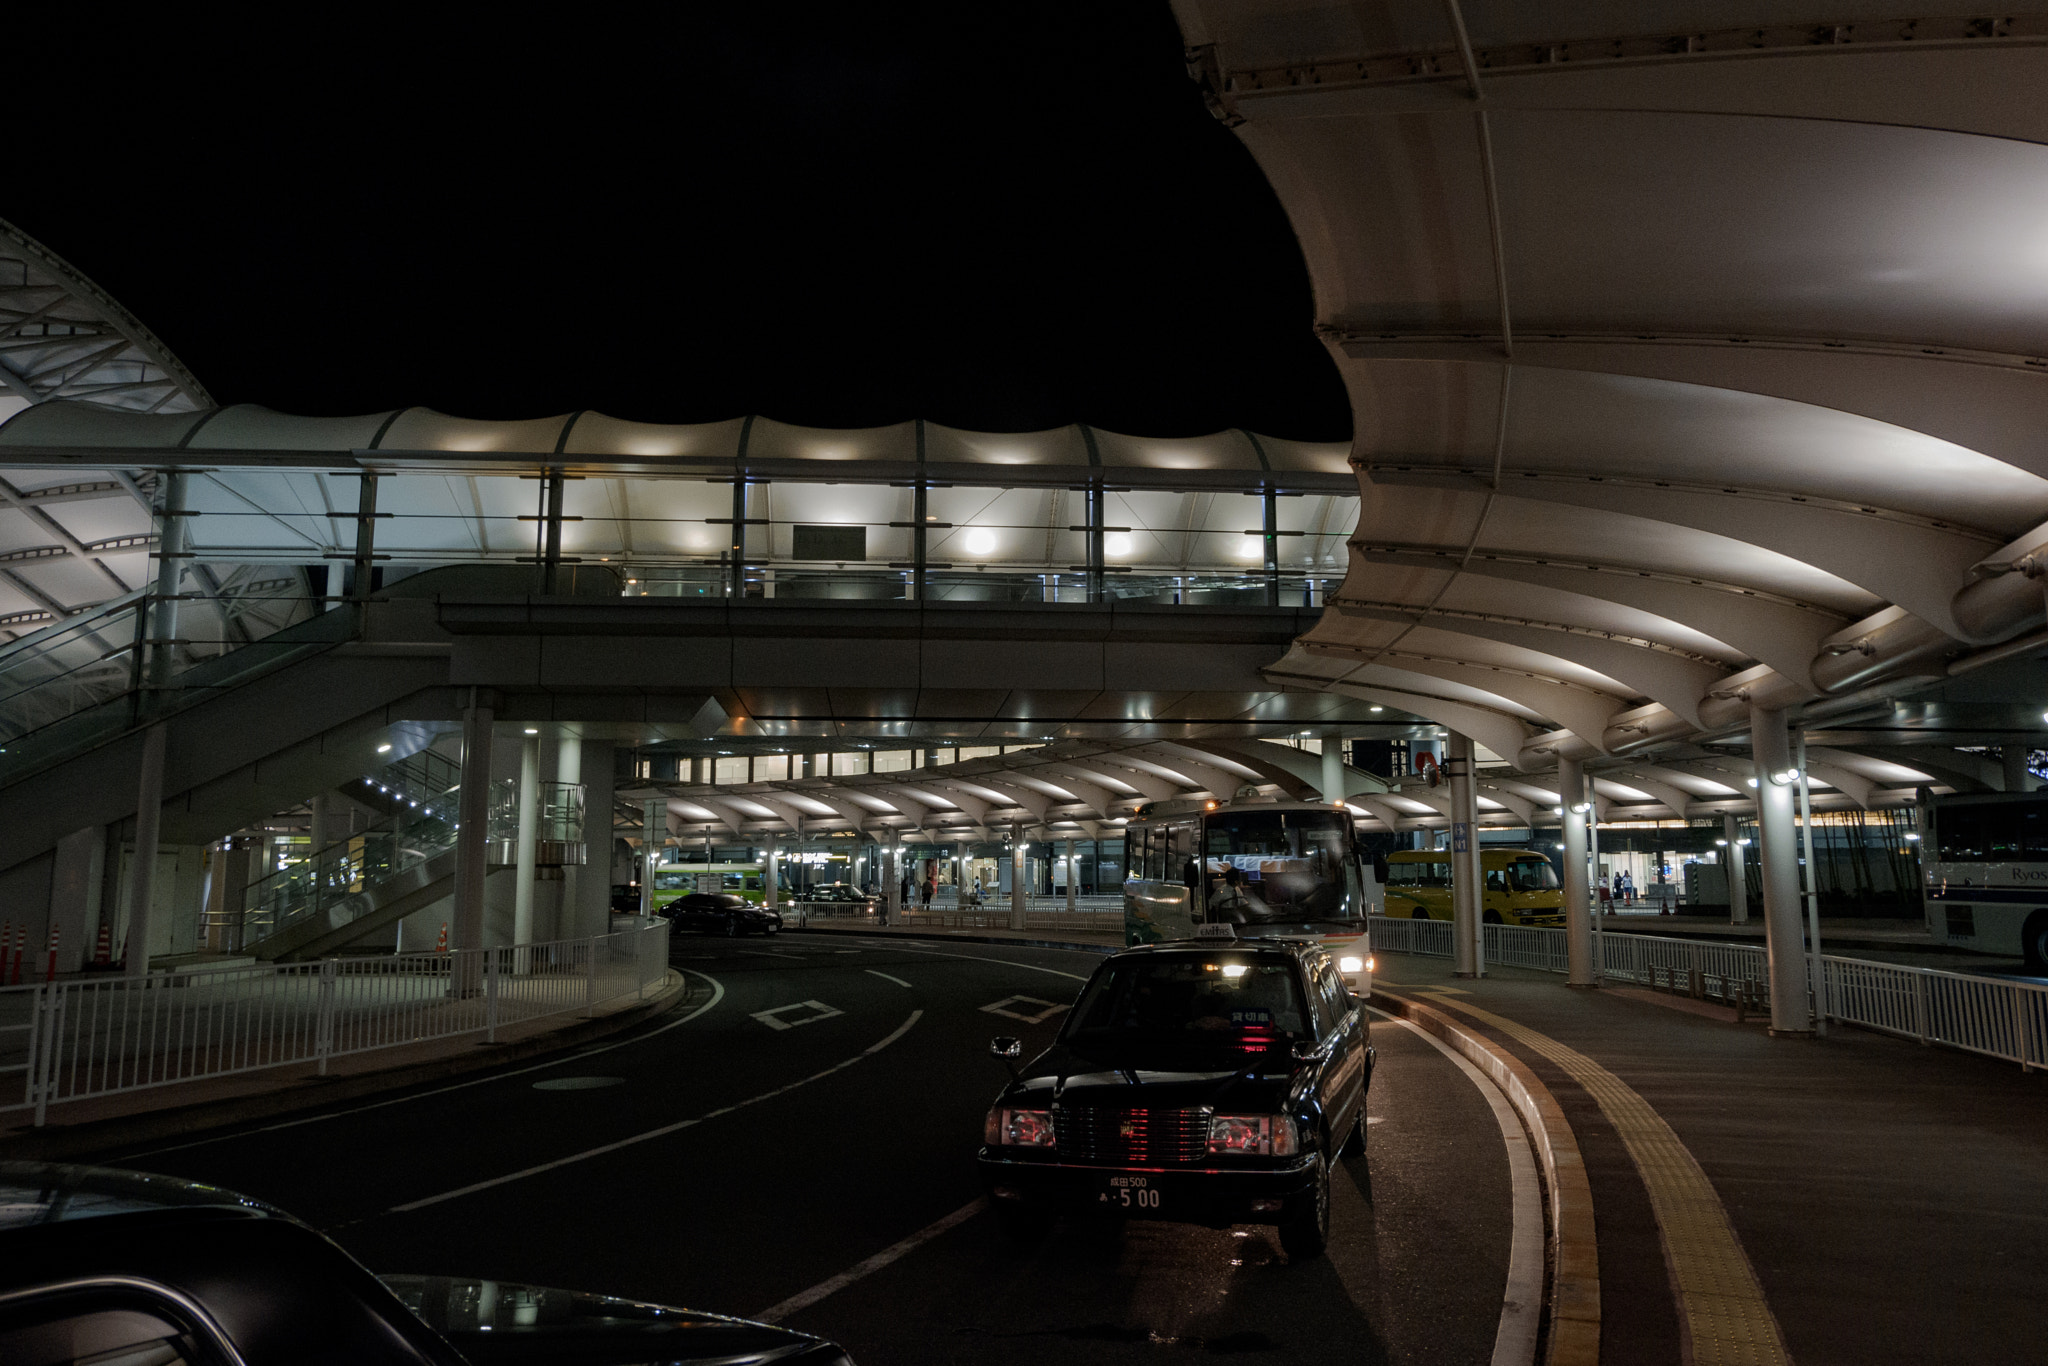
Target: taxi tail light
(1264, 1135)
(1009, 1128)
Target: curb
(59, 1141)
(1573, 1266)
(951, 938)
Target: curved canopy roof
(1691, 367)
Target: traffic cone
(20, 939)
(50, 965)
(103, 952)
(442, 947)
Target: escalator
(366, 881)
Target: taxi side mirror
(1006, 1047)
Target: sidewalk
(145, 1115)
(1888, 1197)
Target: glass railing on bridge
(895, 584)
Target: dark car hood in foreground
(500, 1321)
(1155, 1079)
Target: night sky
(995, 216)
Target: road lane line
(887, 978)
(1521, 1313)
(662, 1132)
(717, 995)
(779, 1312)
(1727, 1315)
(1001, 962)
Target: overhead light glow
(383, 749)
(980, 541)
(1249, 548)
(533, 730)
(1375, 708)
(1116, 545)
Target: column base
(1778, 1033)
(1583, 986)
(1468, 974)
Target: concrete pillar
(149, 810)
(473, 810)
(1016, 877)
(892, 883)
(75, 880)
(2017, 778)
(1333, 769)
(771, 871)
(1073, 874)
(1468, 944)
(1578, 909)
(960, 874)
(569, 771)
(1738, 871)
(1771, 747)
(522, 854)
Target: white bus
(1262, 867)
(1985, 868)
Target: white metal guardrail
(1040, 913)
(72, 1039)
(1992, 1016)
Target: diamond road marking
(1002, 1007)
(824, 1012)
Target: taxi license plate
(1128, 1192)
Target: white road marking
(1047, 1009)
(663, 1131)
(717, 995)
(769, 1017)
(777, 1313)
(999, 962)
(1514, 1342)
(886, 977)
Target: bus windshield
(1999, 831)
(1277, 866)
(1532, 875)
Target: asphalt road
(814, 1105)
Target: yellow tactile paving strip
(1720, 1301)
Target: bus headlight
(1350, 964)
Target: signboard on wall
(1461, 837)
(711, 882)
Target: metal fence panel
(1993, 1016)
(70, 1040)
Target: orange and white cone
(103, 952)
(20, 937)
(50, 964)
(442, 947)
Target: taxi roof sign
(1219, 929)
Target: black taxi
(1212, 1081)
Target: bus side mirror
(1004, 1046)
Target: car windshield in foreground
(1238, 1001)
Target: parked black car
(105, 1267)
(838, 895)
(721, 913)
(1198, 1081)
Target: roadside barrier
(74, 1039)
(1993, 1016)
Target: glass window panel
(891, 760)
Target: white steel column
(1771, 746)
(1468, 947)
(522, 855)
(1578, 915)
(149, 810)
(893, 888)
(472, 846)
(1738, 871)
(1333, 769)
(651, 821)
(1816, 974)
(771, 871)
(1073, 874)
(1016, 877)
(322, 826)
